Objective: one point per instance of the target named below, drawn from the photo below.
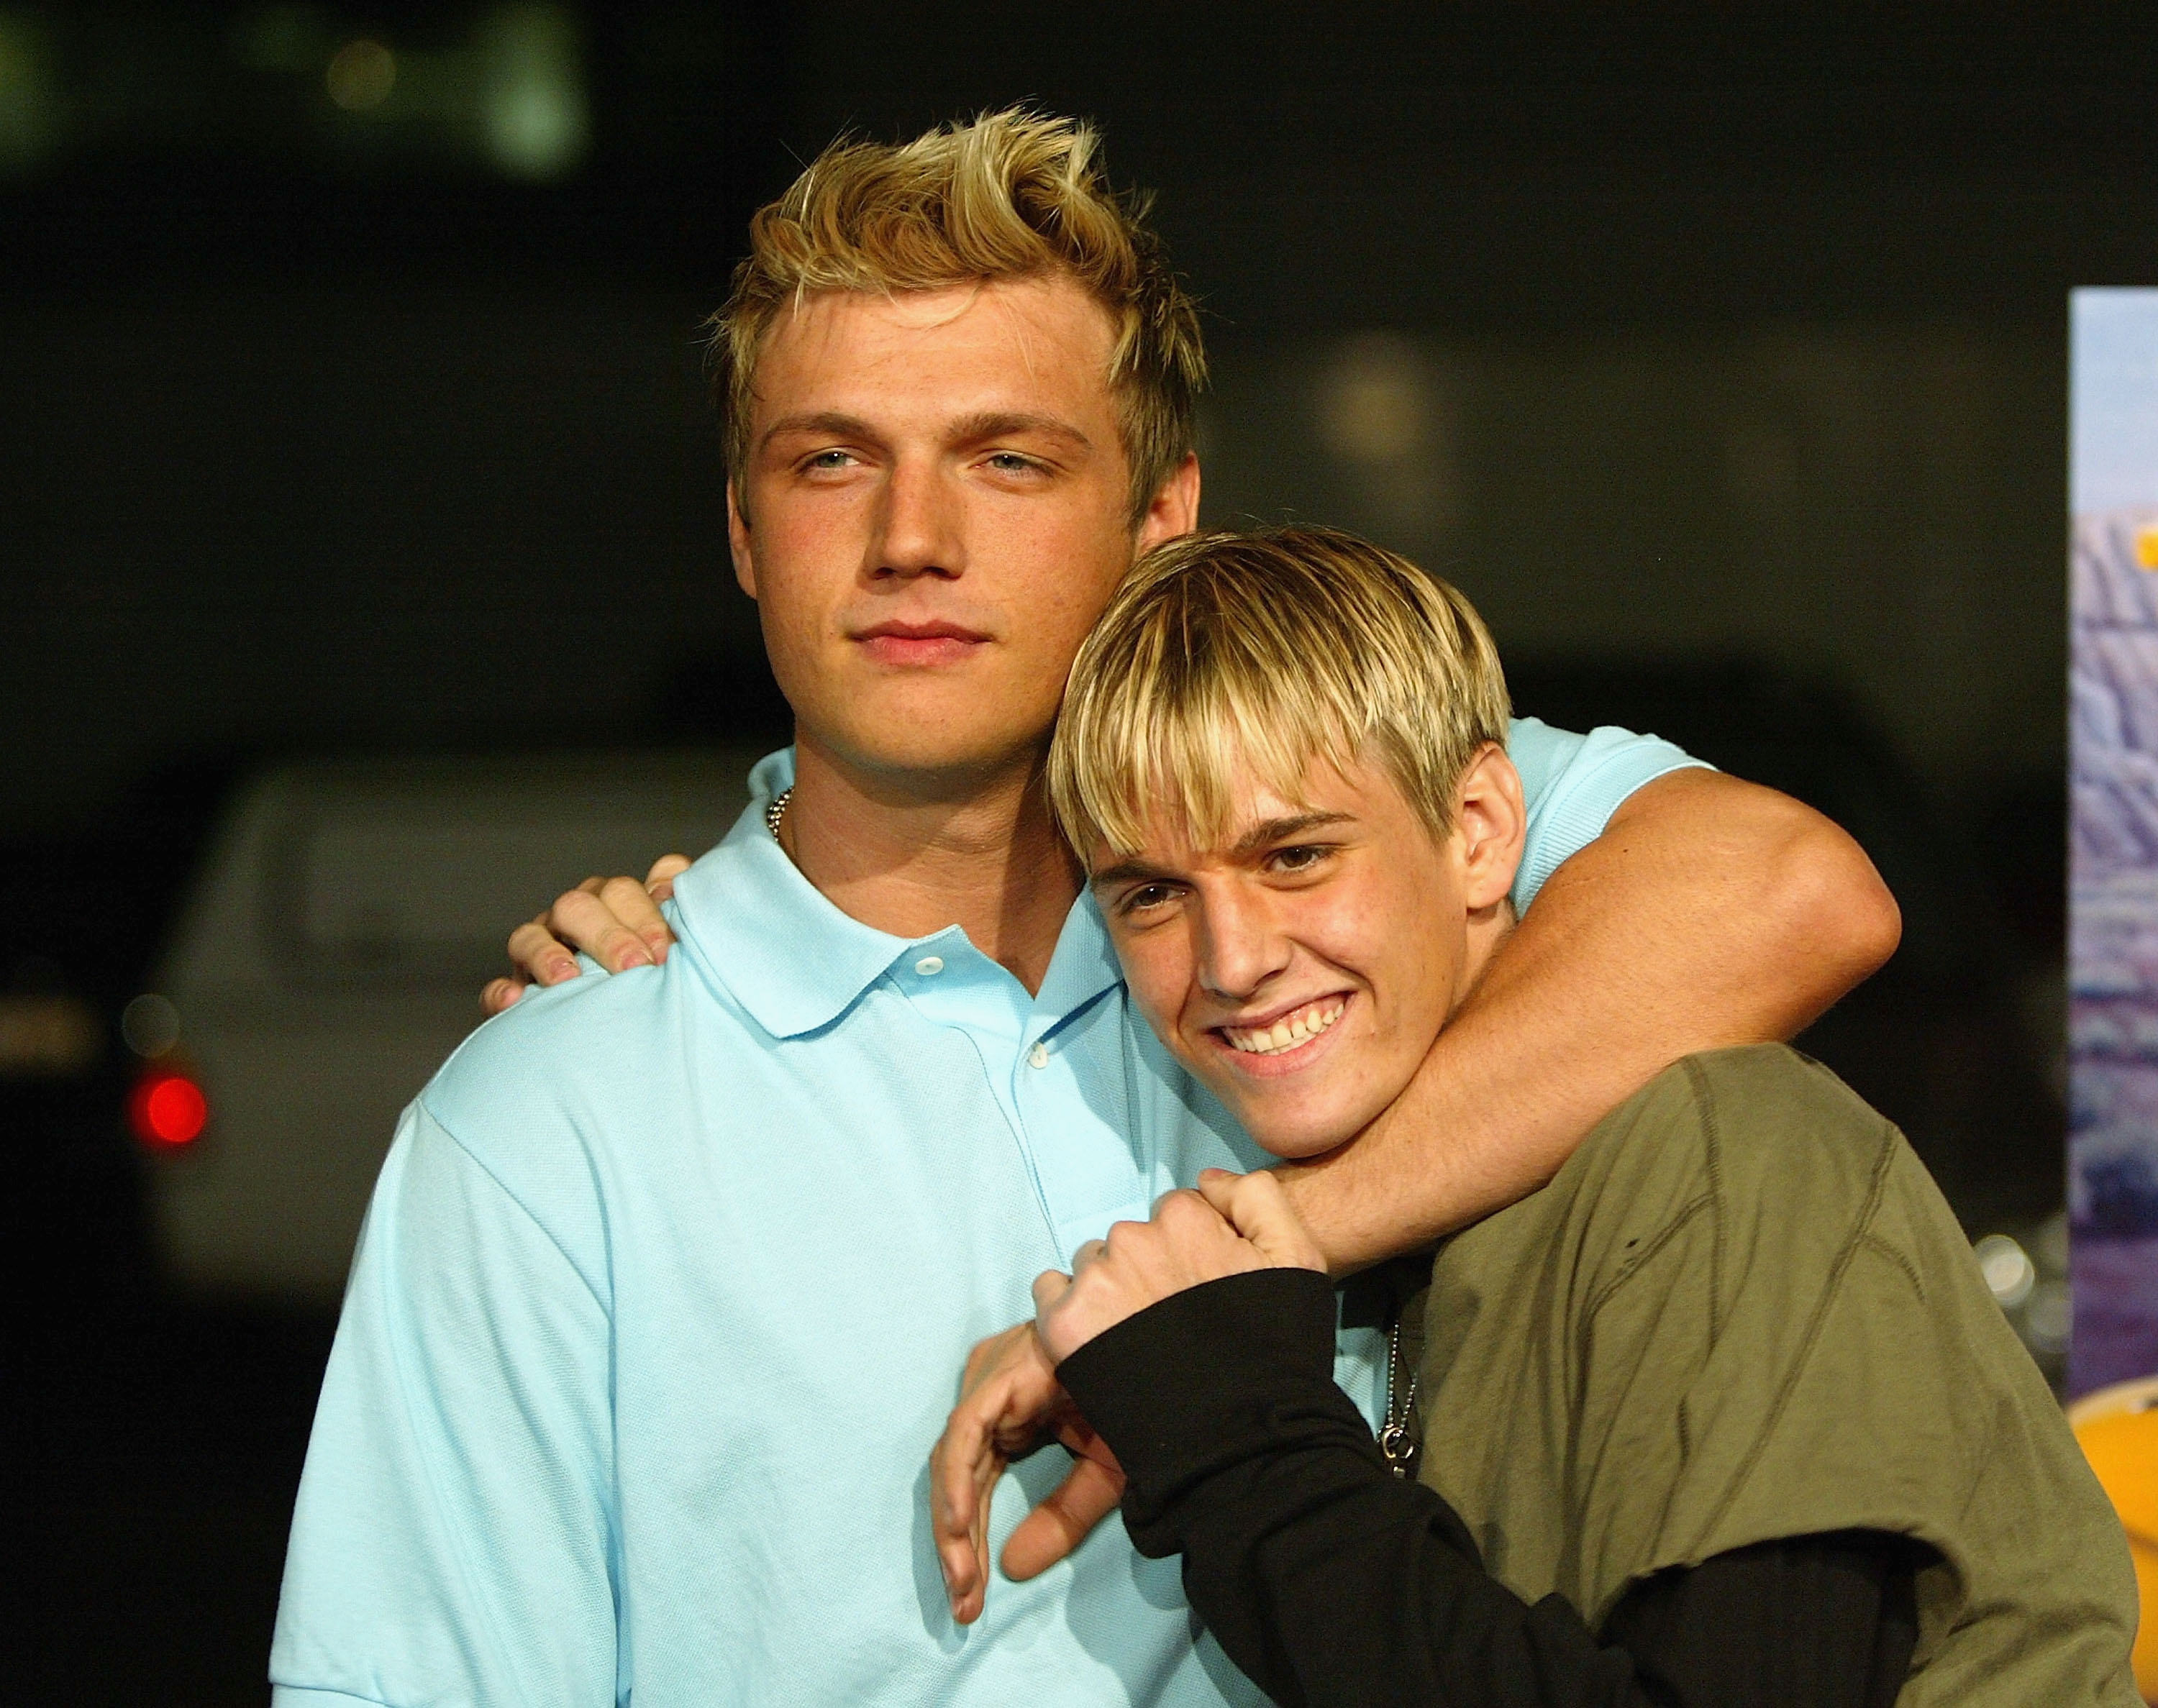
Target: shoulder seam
(1634, 1264)
(1877, 1188)
(1711, 1198)
(1875, 1242)
(524, 1209)
(1711, 1131)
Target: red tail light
(167, 1109)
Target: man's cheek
(1158, 994)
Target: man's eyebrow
(1124, 871)
(822, 423)
(970, 429)
(1273, 830)
(999, 424)
(1260, 836)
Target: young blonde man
(656, 1302)
(1724, 1416)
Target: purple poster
(2113, 839)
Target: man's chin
(908, 752)
(1296, 1129)
(1300, 1139)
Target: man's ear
(738, 543)
(1490, 823)
(1175, 510)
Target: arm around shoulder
(1776, 899)
(1710, 912)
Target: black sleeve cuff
(1220, 1374)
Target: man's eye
(1146, 896)
(1303, 858)
(828, 459)
(1011, 462)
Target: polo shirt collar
(797, 963)
(1084, 965)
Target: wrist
(1190, 1376)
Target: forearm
(1710, 912)
(1322, 1576)
(1330, 1582)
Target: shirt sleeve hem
(1579, 810)
(312, 1697)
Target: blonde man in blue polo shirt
(653, 1316)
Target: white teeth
(1286, 1033)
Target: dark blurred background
(351, 412)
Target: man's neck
(912, 855)
(1488, 929)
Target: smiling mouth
(1298, 1026)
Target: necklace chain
(1398, 1439)
(777, 810)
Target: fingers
(538, 955)
(612, 919)
(659, 881)
(990, 1355)
(616, 920)
(633, 913)
(1091, 1252)
(1258, 1208)
(959, 1507)
(635, 906)
(1185, 1210)
(1011, 1397)
(1088, 1494)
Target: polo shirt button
(1038, 1056)
(929, 966)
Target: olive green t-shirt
(1742, 1311)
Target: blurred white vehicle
(329, 955)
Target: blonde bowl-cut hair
(1014, 194)
(1228, 654)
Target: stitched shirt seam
(525, 1210)
(1877, 1190)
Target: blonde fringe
(1233, 654)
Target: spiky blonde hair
(1227, 655)
(1012, 195)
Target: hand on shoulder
(616, 920)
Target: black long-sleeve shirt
(1331, 1582)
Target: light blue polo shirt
(664, 1291)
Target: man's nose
(920, 533)
(1240, 943)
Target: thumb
(1049, 1287)
(1257, 1207)
(1088, 1494)
(659, 881)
